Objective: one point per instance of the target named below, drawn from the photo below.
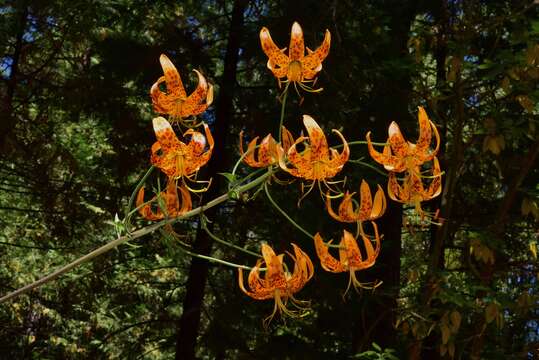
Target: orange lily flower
(296, 67)
(175, 101)
(175, 158)
(171, 203)
(401, 155)
(268, 152)
(278, 283)
(350, 258)
(367, 210)
(317, 161)
(413, 191)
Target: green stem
(283, 106)
(219, 240)
(254, 173)
(134, 235)
(284, 213)
(137, 188)
(359, 162)
(212, 259)
(219, 261)
(362, 142)
(241, 159)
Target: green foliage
(79, 106)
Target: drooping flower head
(167, 203)
(350, 258)
(175, 158)
(401, 155)
(367, 209)
(174, 101)
(278, 283)
(296, 67)
(317, 162)
(412, 191)
(268, 150)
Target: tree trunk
(188, 325)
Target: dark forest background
(75, 134)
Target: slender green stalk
(134, 235)
(216, 260)
(362, 142)
(283, 106)
(284, 213)
(137, 188)
(219, 240)
(254, 173)
(209, 258)
(241, 159)
(359, 162)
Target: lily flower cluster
(307, 158)
(179, 161)
(401, 156)
(316, 163)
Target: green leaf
(229, 176)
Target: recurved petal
(164, 133)
(435, 187)
(303, 270)
(197, 103)
(313, 61)
(379, 205)
(296, 50)
(302, 163)
(197, 143)
(145, 210)
(249, 158)
(282, 163)
(327, 261)
(365, 206)
(349, 252)
(370, 251)
(399, 146)
(318, 142)
(437, 137)
(346, 210)
(271, 50)
(258, 293)
(423, 141)
(307, 264)
(201, 91)
(415, 183)
(209, 137)
(287, 139)
(345, 153)
(172, 77)
(267, 153)
(395, 191)
(274, 264)
(187, 204)
(209, 96)
(386, 158)
(158, 97)
(170, 197)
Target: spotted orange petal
(274, 54)
(172, 77)
(297, 47)
(327, 261)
